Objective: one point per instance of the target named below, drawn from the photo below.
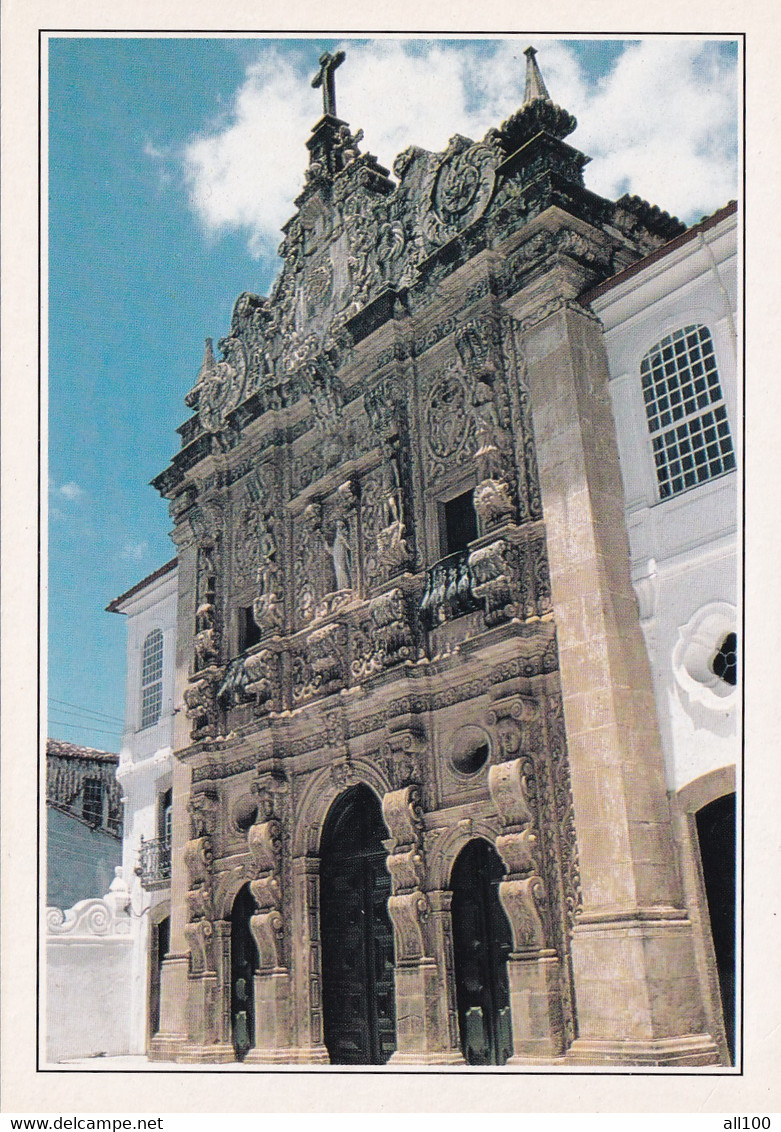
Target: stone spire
(538, 114)
(535, 85)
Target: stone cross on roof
(325, 79)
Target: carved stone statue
(267, 606)
(341, 555)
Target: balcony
(448, 592)
(154, 863)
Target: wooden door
(481, 943)
(359, 1017)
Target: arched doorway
(482, 940)
(244, 963)
(716, 834)
(359, 1015)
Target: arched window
(684, 405)
(152, 678)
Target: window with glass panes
(152, 678)
(92, 801)
(687, 417)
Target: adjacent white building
(670, 333)
(144, 775)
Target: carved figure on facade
(392, 546)
(402, 758)
(492, 581)
(308, 564)
(262, 679)
(246, 545)
(267, 606)
(327, 654)
(233, 689)
(206, 638)
(220, 385)
(341, 555)
(391, 627)
(200, 699)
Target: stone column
(422, 1025)
(272, 988)
(306, 962)
(533, 967)
(206, 1040)
(637, 992)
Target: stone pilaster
(306, 962)
(638, 996)
(423, 1032)
(533, 967)
(272, 989)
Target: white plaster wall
(88, 997)
(144, 774)
(684, 549)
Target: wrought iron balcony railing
(448, 593)
(154, 863)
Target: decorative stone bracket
(408, 906)
(522, 893)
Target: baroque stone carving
(268, 604)
(392, 630)
(407, 906)
(198, 858)
(492, 581)
(200, 699)
(267, 924)
(463, 182)
(522, 893)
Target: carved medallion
(462, 188)
(448, 420)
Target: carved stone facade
(423, 344)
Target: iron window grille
(684, 405)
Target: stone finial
(538, 114)
(535, 85)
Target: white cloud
(135, 551)
(69, 492)
(661, 124)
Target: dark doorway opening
(161, 936)
(359, 1010)
(716, 833)
(244, 963)
(482, 940)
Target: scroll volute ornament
(408, 906)
(507, 784)
(403, 815)
(522, 892)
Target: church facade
(419, 803)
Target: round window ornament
(470, 751)
(244, 812)
(704, 656)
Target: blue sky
(173, 164)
